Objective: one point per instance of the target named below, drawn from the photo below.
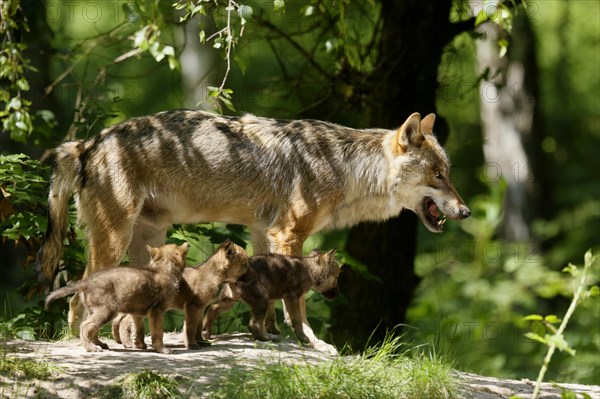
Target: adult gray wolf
(276, 276)
(283, 179)
(139, 291)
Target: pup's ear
(409, 134)
(332, 253)
(427, 124)
(314, 252)
(183, 249)
(229, 248)
(154, 252)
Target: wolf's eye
(437, 174)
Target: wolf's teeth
(441, 221)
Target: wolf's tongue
(433, 209)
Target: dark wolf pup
(139, 291)
(283, 179)
(198, 289)
(273, 277)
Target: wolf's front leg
(76, 314)
(155, 317)
(292, 305)
(192, 324)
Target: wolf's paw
(95, 348)
(274, 337)
(323, 346)
(164, 350)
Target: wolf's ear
(229, 248)
(183, 248)
(332, 252)
(409, 134)
(427, 124)
(153, 252)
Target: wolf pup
(139, 291)
(198, 289)
(135, 179)
(273, 277)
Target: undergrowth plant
(143, 385)
(554, 338)
(384, 371)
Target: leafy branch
(556, 340)
(16, 118)
(224, 38)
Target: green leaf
(571, 269)
(536, 337)
(594, 291)
(533, 317)
(552, 319)
(278, 5)
(560, 343)
(481, 17)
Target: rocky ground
(85, 375)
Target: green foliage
(23, 188)
(144, 385)
(556, 339)
(475, 290)
(380, 372)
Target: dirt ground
(85, 375)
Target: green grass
(379, 373)
(143, 385)
(16, 368)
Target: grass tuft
(383, 372)
(13, 367)
(143, 385)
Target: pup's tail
(64, 181)
(64, 291)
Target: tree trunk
(414, 35)
(508, 110)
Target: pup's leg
(271, 320)
(257, 321)
(290, 241)
(155, 316)
(109, 225)
(90, 327)
(132, 330)
(227, 297)
(116, 334)
(193, 316)
(292, 305)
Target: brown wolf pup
(198, 289)
(139, 291)
(273, 277)
(283, 179)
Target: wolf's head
(169, 257)
(325, 273)
(423, 174)
(232, 259)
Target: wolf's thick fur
(139, 291)
(273, 277)
(283, 179)
(198, 289)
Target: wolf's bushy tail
(64, 181)
(64, 291)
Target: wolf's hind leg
(90, 328)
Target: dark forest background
(515, 85)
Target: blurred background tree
(515, 87)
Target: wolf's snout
(464, 211)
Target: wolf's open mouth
(433, 217)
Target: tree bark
(510, 124)
(413, 38)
